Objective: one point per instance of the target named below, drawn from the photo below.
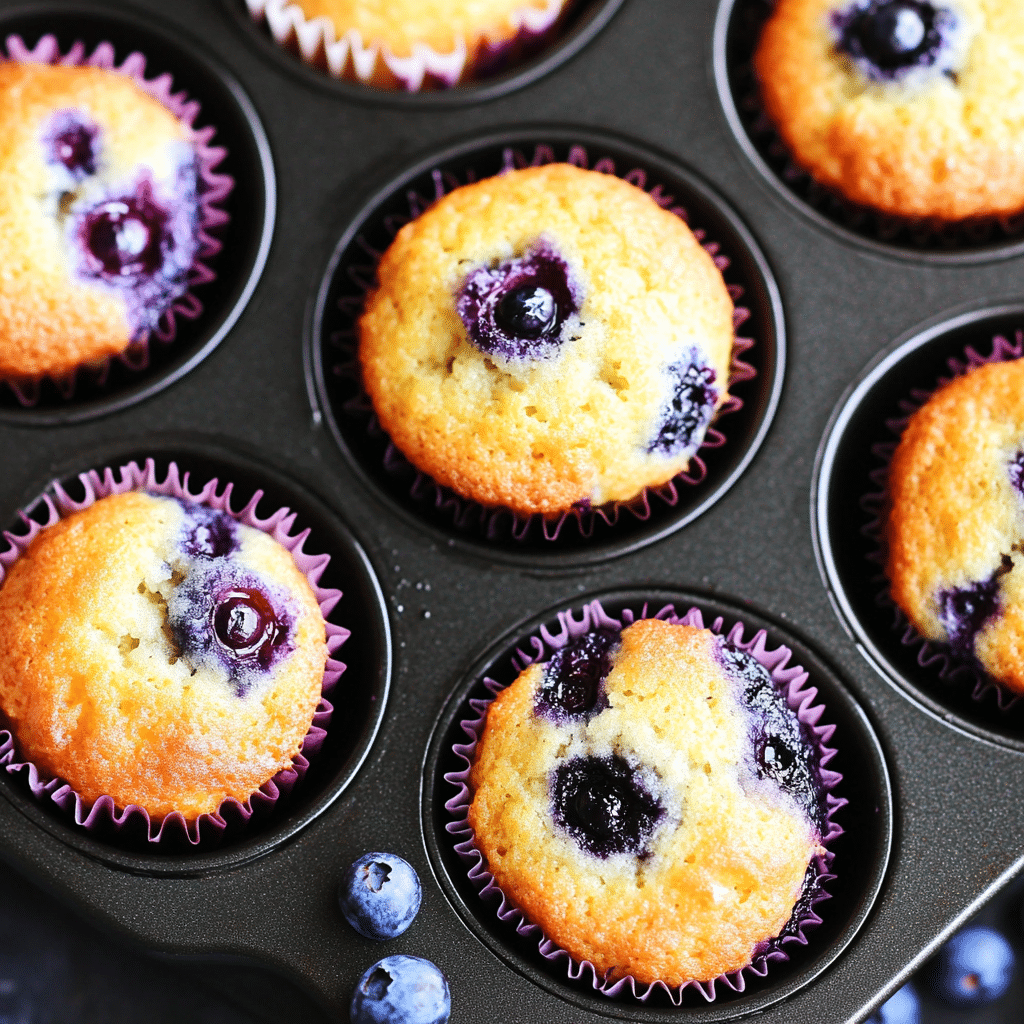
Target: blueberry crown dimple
(518, 309)
(890, 39)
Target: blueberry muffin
(955, 526)
(412, 44)
(650, 801)
(98, 216)
(546, 339)
(911, 107)
(159, 652)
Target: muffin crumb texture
(650, 801)
(955, 527)
(547, 338)
(911, 107)
(98, 216)
(159, 652)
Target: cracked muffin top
(159, 652)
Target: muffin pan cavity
(848, 501)
(359, 697)
(737, 433)
(861, 852)
(738, 27)
(584, 20)
(244, 237)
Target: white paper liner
(932, 655)
(207, 829)
(318, 42)
(791, 680)
(494, 522)
(214, 188)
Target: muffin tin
(933, 828)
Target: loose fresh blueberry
(571, 686)
(517, 309)
(963, 611)
(208, 532)
(604, 805)
(684, 419)
(782, 750)
(401, 990)
(889, 38)
(974, 968)
(72, 142)
(903, 1007)
(125, 237)
(380, 895)
(245, 622)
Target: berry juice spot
(246, 625)
(782, 750)
(208, 533)
(571, 687)
(71, 141)
(685, 417)
(603, 804)
(517, 309)
(223, 618)
(125, 238)
(1016, 472)
(963, 611)
(887, 39)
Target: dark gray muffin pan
(846, 317)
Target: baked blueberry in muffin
(159, 652)
(906, 106)
(99, 216)
(955, 526)
(546, 339)
(650, 800)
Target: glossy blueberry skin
(604, 805)
(903, 1007)
(380, 895)
(572, 687)
(401, 990)
(964, 611)
(686, 415)
(887, 39)
(974, 968)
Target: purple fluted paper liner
(103, 816)
(213, 189)
(935, 657)
(792, 680)
(343, 54)
(495, 523)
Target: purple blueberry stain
(208, 533)
(519, 309)
(782, 749)
(572, 684)
(223, 617)
(964, 611)
(888, 40)
(141, 243)
(684, 418)
(604, 805)
(71, 140)
(1016, 472)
